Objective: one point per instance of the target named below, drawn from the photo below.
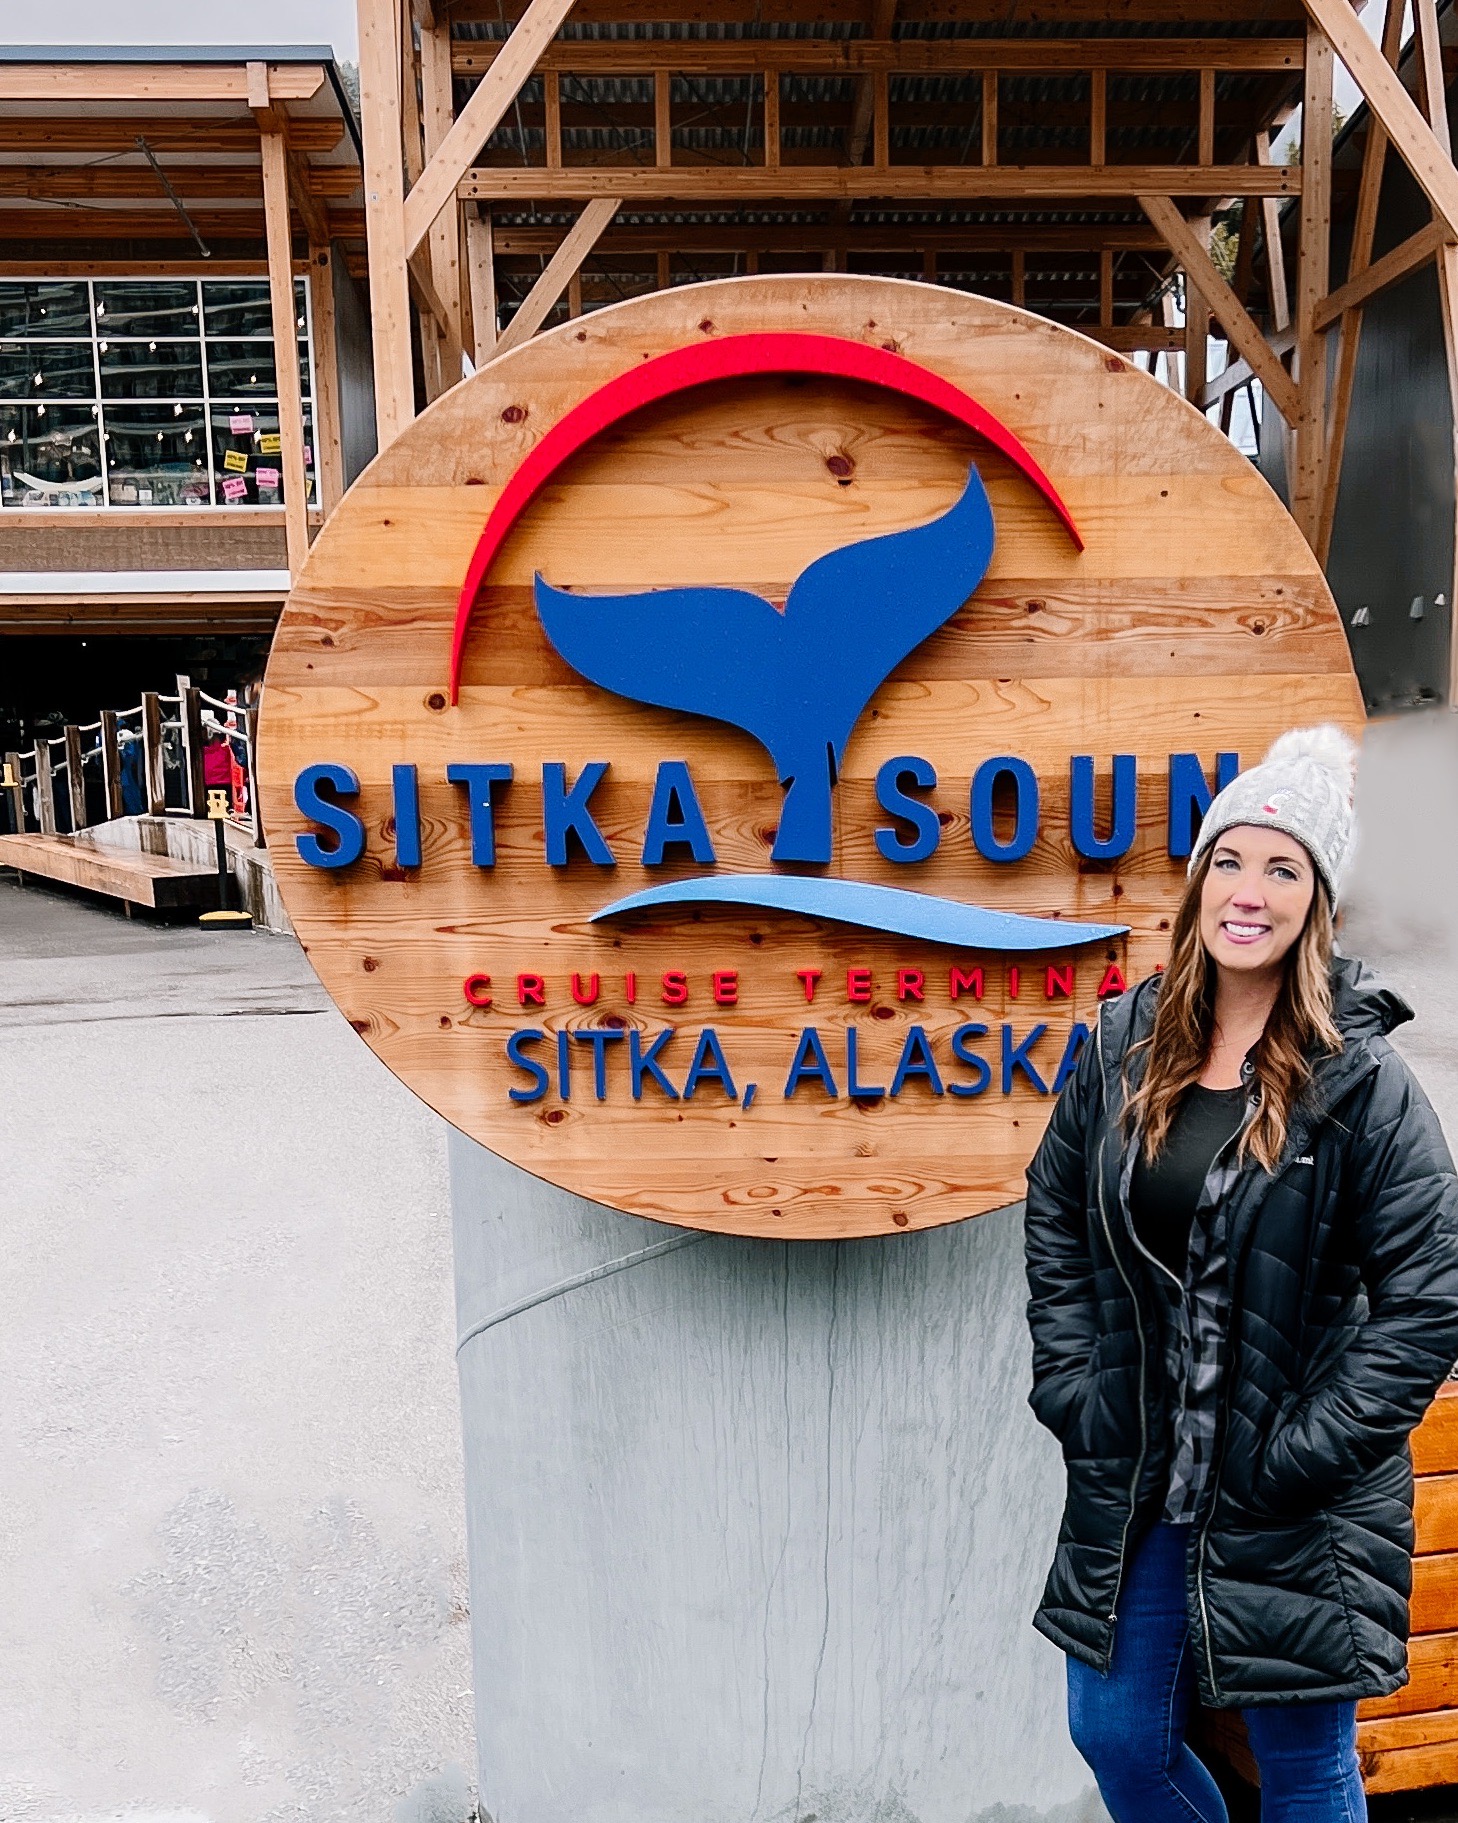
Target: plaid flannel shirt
(1196, 1327)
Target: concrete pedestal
(756, 1528)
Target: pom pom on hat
(1303, 786)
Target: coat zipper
(1143, 1414)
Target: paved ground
(231, 1534)
(231, 1576)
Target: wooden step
(155, 881)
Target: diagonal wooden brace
(1227, 308)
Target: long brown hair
(1184, 1024)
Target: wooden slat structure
(157, 882)
(1078, 163)
(116, 164)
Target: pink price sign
(234, 487)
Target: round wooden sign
(723, 753)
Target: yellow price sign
(235, 462)
(271, 443)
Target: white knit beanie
(1303, 786)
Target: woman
(1242, 1240)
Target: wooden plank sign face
(838, 660)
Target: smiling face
(1256, 895)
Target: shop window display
(144, 393)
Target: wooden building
(169, 220)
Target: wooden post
(190, 714)
(481, 271)
(536, 306)
(45, 789)
(111, 785)
(663, 120)
(772, 119)
(929, 266)
(1098, 117)
(574, 294)
(1106, 289)
(1197, 321)
(665, 270)
(379, 80)
(285, 345)
(328, 451)
(75, 777)
(989, 117)
(152, 767)
(17, 794)
(1277, 288)
(1312, 283)
(881, 120)
(552, 105)
(1349, 334)
(1206, 135)
(1019, 277)
(250, 753)
(438, 116)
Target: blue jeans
(1130, 1725)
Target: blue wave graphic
(882, 908)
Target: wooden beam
(1279, 290)
(1390, 102)
(1404, 258)
(479, 118)
(537, 304)
(903, 56)
(179, 132)
(751, 186)
(989, 118)
(328, 453)
(285, 337)
(54, 83)
(379, 76)
(1206, 135)
(869, 97)
(1238, 373)
(1019, 277)
(1106, 289)
(663, 121)
(481, 269)
(552, 116)
(1359, 264)
(771, 121)
(1312, 284)
(1098, 116)
(524, 239)
(438, 112)
(1197, 319)
(437, 319)
(1234, 318)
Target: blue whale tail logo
(796, 681)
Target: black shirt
(1163, 1196)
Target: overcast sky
(186, 22)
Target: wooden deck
(1407, 1741)
(155, 881)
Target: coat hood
(1363, 1005)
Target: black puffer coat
(1344, 1320)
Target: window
(145, 393)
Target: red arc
(725, 358)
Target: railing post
(75, 777)
(111, 785)
(45, 789)
(152, 754)
(17, 793)
(250, 752)
(190, 710)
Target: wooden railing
(79, 778)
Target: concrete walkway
(231, 1526)
(231, 1540)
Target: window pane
(49, 456)
(156, 455)
(150, 370)
(46, 370)
(301, 308)
(241, 367)
(146, 307)
(237, 310)
(248, 455)
(304, 386)
(44, 310)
